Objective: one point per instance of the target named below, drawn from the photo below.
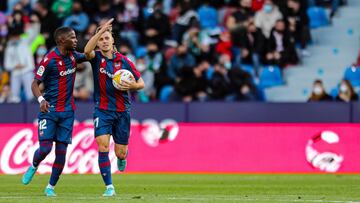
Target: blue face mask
(267, 8)
(41, 51)
(227, 65)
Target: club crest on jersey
(60, 63)
(40, 71)
(117, 64)
(72, 58)
(102, 60)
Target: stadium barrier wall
(329, 112)
(168, 146)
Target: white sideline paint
(222, 198)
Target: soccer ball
(121, 75)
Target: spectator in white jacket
(18, 60)
(266, 18)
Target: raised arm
(90, 46)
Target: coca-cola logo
(323, 152)
(155, 133)
(81, 157)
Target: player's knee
(103, 148)
(121, 154)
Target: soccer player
(56, 117)
(112, 106)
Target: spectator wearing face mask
(124, 49)
(148, 77)
(318, 92)
(18, 60)
(219, 82)
(78, 20)
(281, 47)
(242, 86)
(181, 59)
(197, 41)
(346, 92)
(157, 26)
(296, 16)
(253, 46)
(40, 53)
(266, 18)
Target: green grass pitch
(316, 188)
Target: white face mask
(343, 88)
(317, 90)
(140, 67)
(130, 6)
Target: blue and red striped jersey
(106, 96)
(57, 72)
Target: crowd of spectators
(186, 50)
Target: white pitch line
(191, 199)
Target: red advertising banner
(178, 147)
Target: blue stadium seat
(270, 76)
(249, 69)
(140, 52)
(318, 17)
(260, 94)
(165, 93)
(352, 74)
(334, 92)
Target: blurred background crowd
(198, 50)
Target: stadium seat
(249, 69)
(165, 93)
(140, 52)
(318, 17)
(260, 94)
(352, 74)
(334, 92)
(270, 76)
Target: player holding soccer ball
(56, 118)
(112, 103)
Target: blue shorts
(56, 126)
(113, 123)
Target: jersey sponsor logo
(40, 71)
(103, 71)
(67, 72)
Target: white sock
(50, 186)
(32, 165)
(110, 186)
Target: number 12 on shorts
(42, 124)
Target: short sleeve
(132, 68)
(41, 70)
(80, 57)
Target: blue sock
(105, 167)
(60, 153)
(42, 152)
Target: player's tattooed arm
(90, 46)
(44, 105)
